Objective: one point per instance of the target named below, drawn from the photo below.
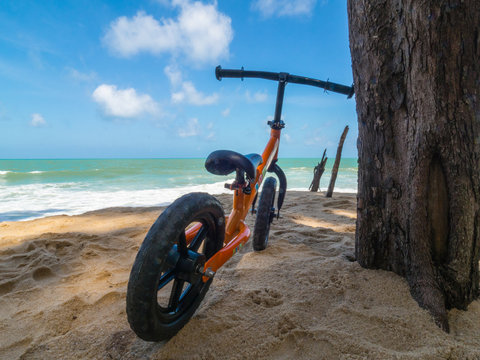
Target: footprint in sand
(118, 343)
(266, 297)
(285, 326)
(42, 273)
(6, 287)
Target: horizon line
(156, 158)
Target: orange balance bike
(192, 238)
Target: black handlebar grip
(351, 93)
(221, 73)
(218, 74)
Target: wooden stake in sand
(317, 173)
(337, 163)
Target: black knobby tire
(265, 214)
(154, 278)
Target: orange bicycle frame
(237, 232)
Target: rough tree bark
(336, 164)
(416, 71)
(318, 172)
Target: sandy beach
(63, 284)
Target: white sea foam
(302, 168)
(38, 200)
(25, 202)
(4, 172)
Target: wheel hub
(188, 267)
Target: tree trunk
(416, 70)
(333, 178)
(318, 172)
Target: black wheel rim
(174, 294)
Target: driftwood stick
(337, 163)
(317, 173)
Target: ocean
(32, 189)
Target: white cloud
(287, 137)
(192, 128)
(37, 120)
(185, 91)
(226, 112)
(123, 103)
(316, 139)
(80, 76)
(173, 74)
(270, 8)
(200, 32)
(211, 134)
(258, 97)
(189, 94)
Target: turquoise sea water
(36, 188)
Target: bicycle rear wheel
(165, 286)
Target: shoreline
(63, 284)
(41, 214)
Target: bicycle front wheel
(165, 286)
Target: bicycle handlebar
(286, 77)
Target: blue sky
(95, 79)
